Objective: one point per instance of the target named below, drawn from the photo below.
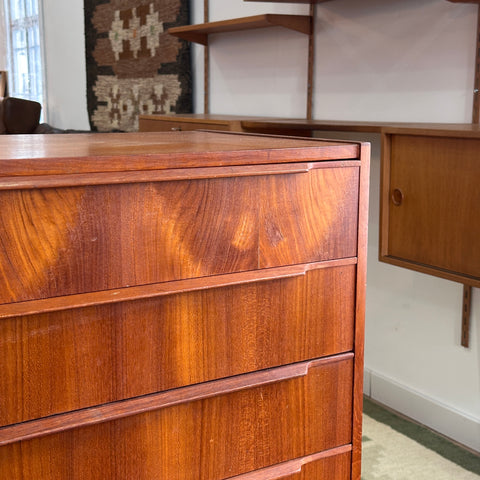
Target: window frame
(27, 25)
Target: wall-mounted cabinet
(430, 219)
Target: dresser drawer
(234, 426)
(132, 348)
(330, 464)
(63, 241)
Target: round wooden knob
(397, 197)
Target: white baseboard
(443, 419)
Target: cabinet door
(430, 199)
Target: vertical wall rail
(206, 63)
(311, 40)
(466, 305)
(467, 289)
(476, 82)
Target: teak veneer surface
(123, 152)
(199, 33)
(333, 463)
(181, 306)
(57, 241)
(209, 439)
(297, 126)
(145, 346)
(433, 225)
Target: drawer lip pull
(156, 401)
(82, 300)
(292, 467)
(171, 174)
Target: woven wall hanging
(133, 65)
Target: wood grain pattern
(113, 411)
(305, 127)
(309, 218)
(181, 306)
(144, 346)
(361, 287)
(230, 434)
(333, 463)
(109, 178)
(124, 152)
(64, 241)
(89, 299)
(433, 226)
(151, 125)
(199, 33)
(195, 121)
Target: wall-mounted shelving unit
(199, 33)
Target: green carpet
(396, 449)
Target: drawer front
(148, 125)
(138, 347)
(332, 468)
(330, 465)
(209, 439)
(63, 241)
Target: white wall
(66, 100)
(375, 60)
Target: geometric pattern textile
(133, 65)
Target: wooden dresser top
(121, 152)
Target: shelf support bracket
(311, 44)
(206, 63)
(466, 306)
(476, 81)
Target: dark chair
(18, 115)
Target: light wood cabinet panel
(430, 221)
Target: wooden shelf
(291, 1)
(323, 1)
(199, 33)
(263, 124)
(300, 126)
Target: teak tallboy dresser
(181, 306)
